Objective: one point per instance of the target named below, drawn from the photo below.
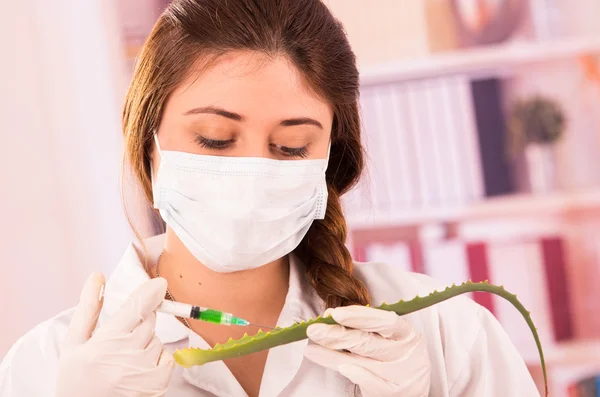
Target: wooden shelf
(571, 352)
(486, 60)
(508, 206)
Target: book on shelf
(421, 144)
(586, 387)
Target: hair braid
(328, 261)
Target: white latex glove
(383, 354)
(123, 357)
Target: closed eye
(291, 151)
(216, 144)
(213, 143)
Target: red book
(573, 391)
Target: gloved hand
(385, 357)
(123, 357)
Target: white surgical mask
(238, 213)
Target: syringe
(186, 310)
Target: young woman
(242, 126)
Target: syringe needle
(260, 326)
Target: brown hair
(305, 32)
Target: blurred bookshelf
(544, 248)
(440, 195)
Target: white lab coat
(470, 353)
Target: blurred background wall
(63, 80)
(481, 120)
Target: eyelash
(212, 143)
(301, 152)
(221, 145)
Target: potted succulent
(535, 125)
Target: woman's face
(247, 105)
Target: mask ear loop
(324, 189)
(152, 178)
(155, 136)
(328, 154)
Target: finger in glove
(386, 323)
(140, 304)
(367, 344)
(87, 311)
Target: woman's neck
(256, 294)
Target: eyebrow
(215, 110)
(301, 121)
(238, 117)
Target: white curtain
(62, 81)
